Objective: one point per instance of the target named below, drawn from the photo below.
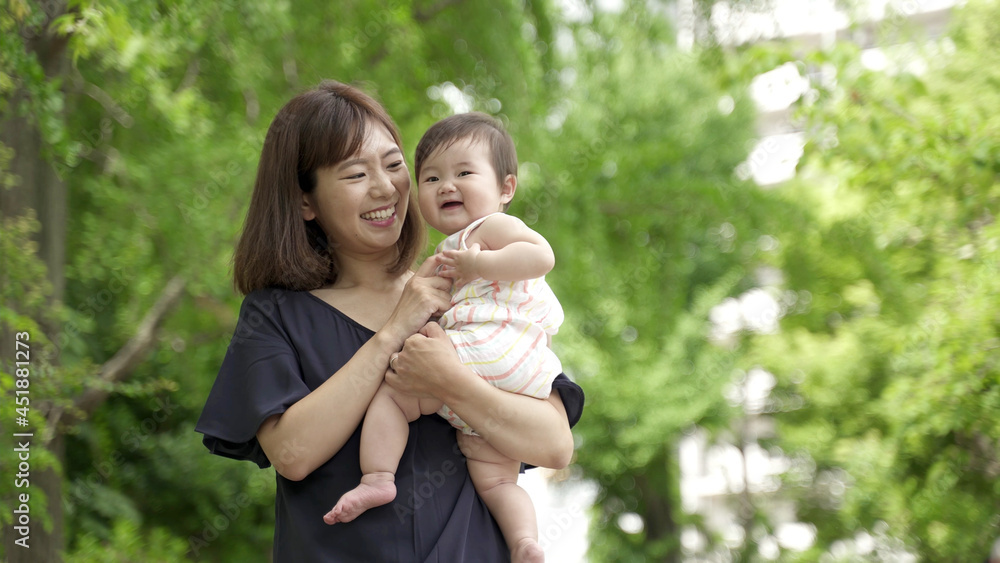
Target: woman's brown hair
(316, 129)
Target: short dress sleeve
(260, 376)
(572, 397)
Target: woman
(324, 261)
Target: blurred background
(776, 239)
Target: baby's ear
(508, 188)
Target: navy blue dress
(288, 343)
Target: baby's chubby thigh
(429, 406)
(411, 407)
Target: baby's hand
(460, 265)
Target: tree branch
(125, 360)
(190, 75)
(96, 93)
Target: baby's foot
(527, 550)
(375, 489)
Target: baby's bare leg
(495, 478)
(383, 439)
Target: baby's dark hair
(478, 127)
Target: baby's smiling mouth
(451, 204)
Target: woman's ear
(508, 188)
(308, 211)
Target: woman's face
(361, 202)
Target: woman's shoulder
(272, 295)
(279, 307)
(271, 315)
(271, 301)
(291, 308)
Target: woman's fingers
(440, 282)
(436, 295)
(448, 272)
(433, 330)
(427, 269)
(430, 349)
(427, 295)
(422, 299)
(425, 364)
(434, 290)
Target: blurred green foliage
(628, 147)
(129, 543)
(896, 356)
(638, 197)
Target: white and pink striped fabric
(500, 330)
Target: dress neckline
(342, 314)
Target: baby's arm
(502, 248)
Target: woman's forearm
(535, 431)
(313, 429)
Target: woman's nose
(382, 184)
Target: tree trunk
(42, 190)
(658, 510)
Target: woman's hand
(425, 296)
(426, 365)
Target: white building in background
(817, 24)
(717, 477)
(719, 480)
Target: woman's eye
(395, 165)
(357, 176)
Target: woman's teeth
(378, 215)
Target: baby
(501, 319)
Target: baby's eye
(431, 179)
(463, 173)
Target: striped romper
(500, 328)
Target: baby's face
(458, 185)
